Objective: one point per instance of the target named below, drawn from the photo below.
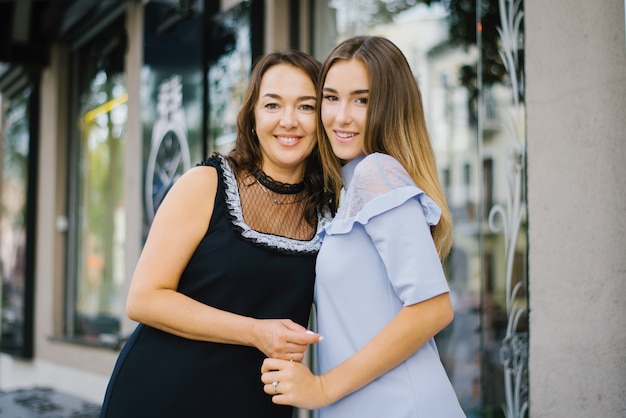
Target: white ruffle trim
(276, 242)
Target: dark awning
(29, 27)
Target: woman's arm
(178, 227)
(403, 242)
(404, 335)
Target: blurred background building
(104, 104)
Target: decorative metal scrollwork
(508, 218)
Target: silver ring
(275, 384)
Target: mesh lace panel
(376, 175)
(273, 213)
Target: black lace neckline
(276, 186)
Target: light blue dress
(377, 256)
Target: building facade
(103, 105)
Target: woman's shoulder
(381, 159)
(383, 169)
(197, 183)
(216, 161)
(189, 202)
(380, 183)
(218, 166)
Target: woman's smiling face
(285, 116)
(345, 95)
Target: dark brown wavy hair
(246, 154)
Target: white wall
(576, 108)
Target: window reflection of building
(228, 74)
(97, 217)
(172, 94)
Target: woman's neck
(287, 176)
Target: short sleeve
(397, 215)
(403, 241)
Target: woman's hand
(292, 383)
(282, 338)
(398, 340)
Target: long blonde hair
(395, 125)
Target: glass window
(16, 279)
(172, 98)
(97, 218)
(229, 73)
(470, 72)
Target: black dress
(236, 269)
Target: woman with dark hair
(226, 275)
(380, 291)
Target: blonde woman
(381, 295)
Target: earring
(253, 132)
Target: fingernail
(308, 331)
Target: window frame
(115, 26)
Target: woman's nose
(287, 118)
(343, 115)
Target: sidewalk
(42, 402)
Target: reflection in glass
(229, 72)
(172, 98)
(470, 72)
(169, 155)
(101, 219)
(14, 179)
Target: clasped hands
(284, 376)
(292, 383)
